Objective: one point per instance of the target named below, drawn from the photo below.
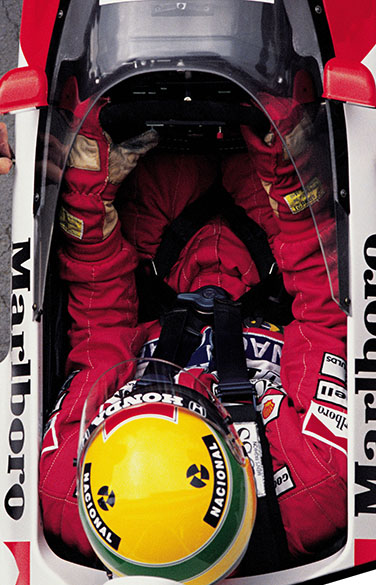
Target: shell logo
(268, 408)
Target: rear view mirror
(22, 88)
(349, 81)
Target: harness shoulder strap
(178, 233)
(216, 201)
(234, 385)
(251, 234)
(156, 296)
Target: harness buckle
(203, 298)
(235, 391)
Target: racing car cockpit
(197, 72)
(224, 98)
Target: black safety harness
(184, 315)
(267, 300)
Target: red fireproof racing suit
(302, 394)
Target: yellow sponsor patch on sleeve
(70, 224)
(300, 200)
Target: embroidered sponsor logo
(331, 392)
(70, 224)
(270, 406)
(299, 200)
(333, 366)
(261, 347)
(249, 436)
(283, 481)
(327, 425)
(263, 355)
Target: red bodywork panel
(353, 31)
(37, 22)
(352, 26)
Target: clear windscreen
(160, 59)
(103, 37)
(308, 168)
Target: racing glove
(95, 260)
(96, 167)
(317, 331)
(277, 171)
(297, 246)
(319, 325)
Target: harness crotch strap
(180, 336)
(268, 544)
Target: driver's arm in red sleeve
(315, 511)
(97, 264)
(96, 260)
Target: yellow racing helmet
(165, 488)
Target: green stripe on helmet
(203, 560)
